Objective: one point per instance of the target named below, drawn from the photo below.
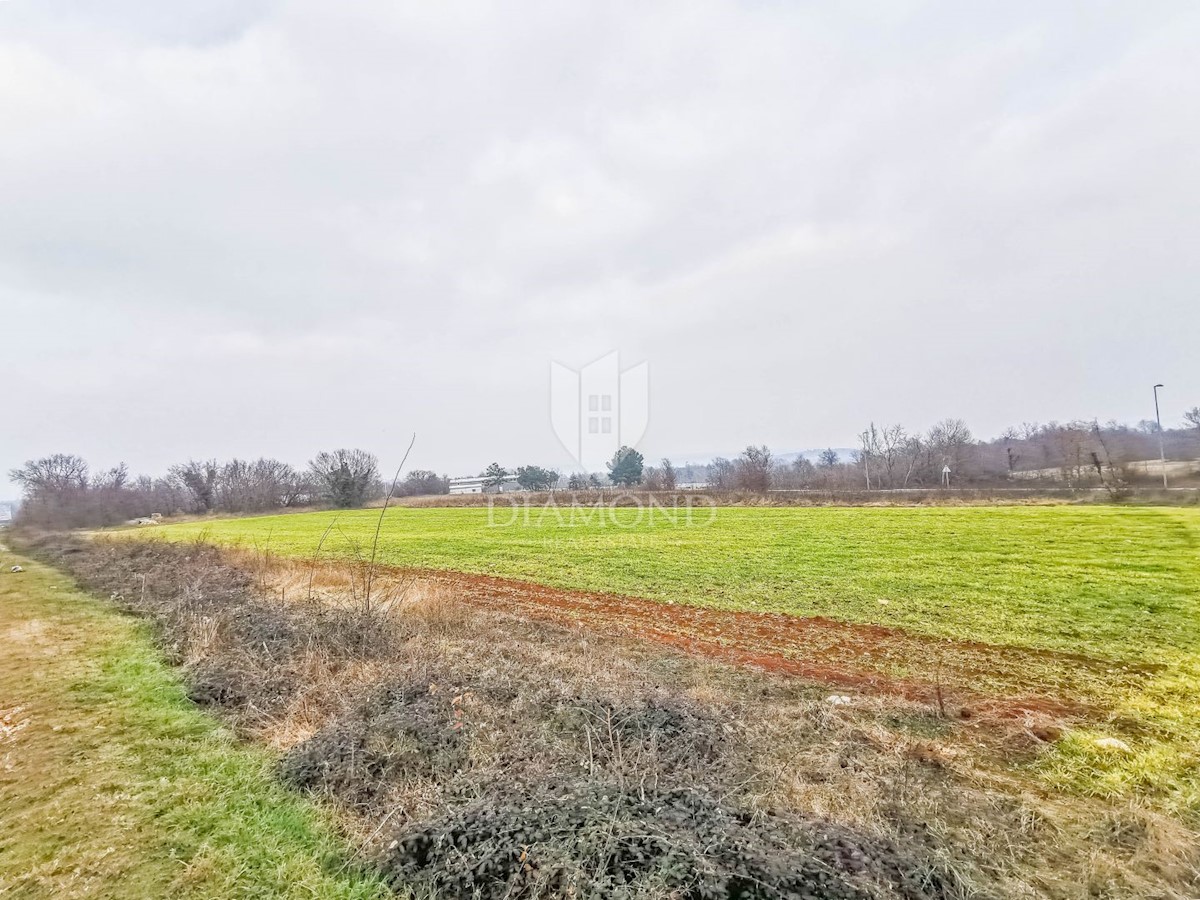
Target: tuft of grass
(113, 784)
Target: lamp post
(1162, 455)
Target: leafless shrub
(752, 471)
(481, 753)
(255, 486)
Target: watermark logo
(598, 409)
(620, 510)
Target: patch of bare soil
(976, 679)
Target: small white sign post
(945, 476)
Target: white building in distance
(479, 485)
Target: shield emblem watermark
(598, 409)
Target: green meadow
(1120, 584)
(1111, 581)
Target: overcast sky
(243, 227)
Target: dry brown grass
(425, 718)
(880, 765)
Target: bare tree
(669, 476)
(913, 448)
(114, 479)
(1072, 444)
(110, 499)
(165, 495)
(893, 452)
(1192, 417)
(55, 491)
(421, 482)
(652, 478)
(59, 472)
(721, 474)
(753, 469)
(803, 471)
(870, 448)
(1112, 478)
(659, 478)
(279, 484)
(946, 444)
(234, 487)
(58, 493)
(244, 486)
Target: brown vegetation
(61, 492)
(474, 750)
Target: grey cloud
(392, 216)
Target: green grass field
(1116, 582)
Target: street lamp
(1162, 456)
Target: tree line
(61, 491)
(890, 457)
(627, 468)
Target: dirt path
(975, 678)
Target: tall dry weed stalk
(312, 568)
(370, 581)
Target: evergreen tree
(626, 467)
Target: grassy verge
(112, 784)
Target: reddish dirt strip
(974, 678)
